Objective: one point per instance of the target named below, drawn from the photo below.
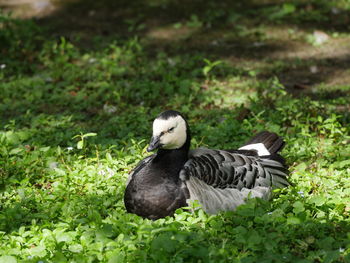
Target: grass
(76, 118)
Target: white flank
(259, 147)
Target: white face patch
(172, 132)
(259, 147)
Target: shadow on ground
(266, 36)
(262, 38)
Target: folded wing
(222, 180)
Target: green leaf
(331, 256)
(91, 134)
(206, 70)
(301, 167)
(109, 157)
(59, 257)
(12, 137)
(44, 149)
(177, 25)
(317, 200)
(16, 151)
(75, 248)
(298, 207)
(38, 251)
(21, 192)
(66, 237)
(202, 215)
(60, 171)
(164, 241)
(8, 259)
(254, 238)
(80, 144)
(293, 220)
(343, 164)
(116, 257)
(216, 224)
(286, 9)
(245, 210)
(326, 243)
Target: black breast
(154, 192)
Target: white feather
(259, 147)
(174, 139)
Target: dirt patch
(27, 9)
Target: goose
(220, 180)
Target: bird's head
(170, 131)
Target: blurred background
(99, 55)
(304, 43)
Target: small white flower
(313, 69)
(335, 10)
(109, 108)
(301, 193)
(269, 213)
(341, 249)
(320, 37)
(110, 172)
(102, 172)
(222, 119)
(53, 165)
(69, 148)
(258, 44)
(92, 60)
(171, 62)
(49, 79)
(2, 66)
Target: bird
(219, 180)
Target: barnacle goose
(219, 179)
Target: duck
(219, 180)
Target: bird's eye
(171, 129)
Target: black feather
(271, 140)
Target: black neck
(175, 157)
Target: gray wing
(222, 169)
(139, 166)
(214, 200)
(221, 180)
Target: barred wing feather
(221, 180)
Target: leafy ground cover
(78, 94)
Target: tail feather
(267, 145)
(271, 141)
